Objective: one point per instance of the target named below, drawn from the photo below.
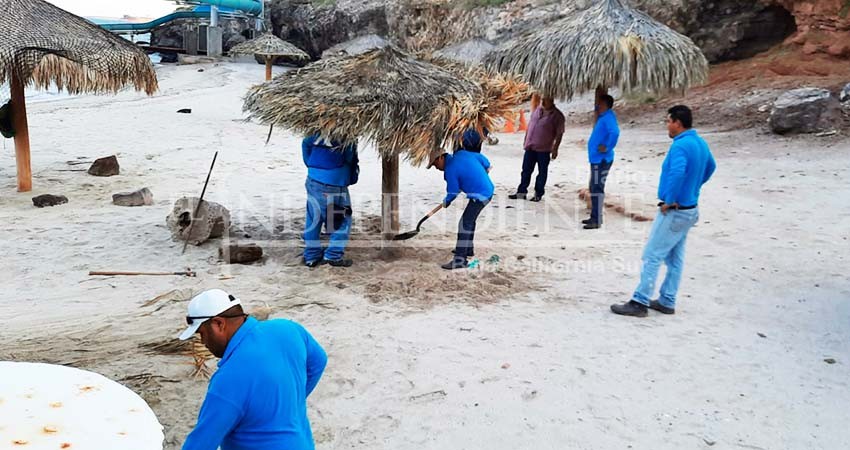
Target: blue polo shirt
(328, 163)
(606, 132)
(257, 399)
(467, 172)
(687, 166)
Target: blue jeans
(598, 175)
(466, 229)
(666, 244)
(529, 160)
(329, 206)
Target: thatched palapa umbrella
(269, 47)
(405, 106)
(43, 45)
(608, 45)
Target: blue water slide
(250, 7)
(144, 27)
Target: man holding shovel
(466, 172)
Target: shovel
(410, 234)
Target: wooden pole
(268, 68)
(22, 136)
(389, 202)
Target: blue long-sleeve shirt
(606, 132)
(687, 166)
(257, 399)
(327, 164)
(466, 172)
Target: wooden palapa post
(22, 136)
(389, 199)
(268, 68)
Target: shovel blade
(405, 236)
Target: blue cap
(471, 140)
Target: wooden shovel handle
(428, 216)
(434, 211)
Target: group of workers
(257, 397)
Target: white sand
(526, 358)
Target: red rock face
(823, 26)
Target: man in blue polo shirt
(331, 168)
(466, 172)
(600, 153)
(688, 165)
(257, 399)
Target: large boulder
(141, 197)
(211, 221)
(805, 110)
(105, 167)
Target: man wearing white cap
(257, 399)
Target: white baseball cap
(205, 306)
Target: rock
(724, 29)
(240, 253)
(212, 220)
(357, 46)
(805, 110)
(105, 167)
(141, 197)
(810, 48)
(168, 57)
(829, 360)
(839, 49)
(233, 41)
(41, 201)
(184, 111)
(844, 96)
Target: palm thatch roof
(404, 105)
(44, 44)
(269, 45)
(610, 45)
(472, 51)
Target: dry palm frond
(169, 347)
(269, 45)
(200, 356)
(607, 45)
(194, 348)
(404, 105)
(44, 44)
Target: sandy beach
(521, 353)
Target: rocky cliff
(724, 29)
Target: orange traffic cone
(523, 126)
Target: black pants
(529, 160)
(466, 228)
(598, 174)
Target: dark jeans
(598, 174)
(531, 158)
(466, 228)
